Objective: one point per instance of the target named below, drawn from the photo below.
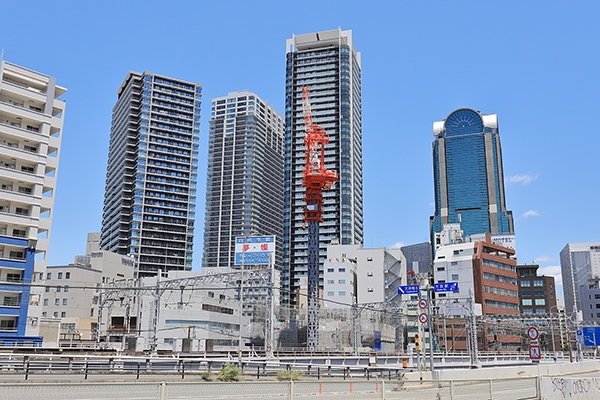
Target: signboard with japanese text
(411, 289)
(253, 250)
(591, 335)
(446, 287)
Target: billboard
(254, 250)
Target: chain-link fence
(498, 389)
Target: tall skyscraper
(329, 64)
(468, 175)
(31, 122)
(244, 181)
(150, 197)
(579, 262)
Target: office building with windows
(468, 175)
(244, 181)
(328, 63)
(150, 197)
(31, 122)
(579, 263)
(536, 292)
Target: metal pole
(429, 324)
(552, 330)
(241, 300)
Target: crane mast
(316, 178)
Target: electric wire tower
(316, 178)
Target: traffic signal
(417, 341)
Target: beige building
(72, 296)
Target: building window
(538, 292)
(44, 314)
(329, 269)
(369, 274)
(56, 315)
(63, 314)
(48, 275)
(454, 277)
(91, 312)
(67, 275)
(538, 283)
(66, 288)
(47, 288)
(57, 289)
(528, 311)
(526, 292)
(45, 302)
(56, 302)
(60, 275)
(441, 268)
(330, 281)
(342, 270)
(369, 258)
(64, 302)
(342, 281)
(540, 311)
(370, 290)
(525, 283)
(527, 302)
(211, 294)
(455, 252)
(454, 263)
(441, 295)
(329, 293)
(342, 293)
(540, 302)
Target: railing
(23, 85)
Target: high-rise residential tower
(150, 197)
(31, 122)
(330, 66)
(244, 181)
(468, 175)
(579, 263)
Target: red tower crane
(316, 179)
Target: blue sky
(536, 64)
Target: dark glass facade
(468, 176)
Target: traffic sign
(535, 352)
(422, 304)
(533, 333)
(423, 318)
(411, 289)
(591, 336)
(579, 336)
(446, 287)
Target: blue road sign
(579, 336)
(411, 289)
(446, 287)
(591, 336)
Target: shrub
(285, 375)
(229, 372)
(205, 375)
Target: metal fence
(498, 389)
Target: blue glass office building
(468, 175)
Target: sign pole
(430, 317)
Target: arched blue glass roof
(463, 122)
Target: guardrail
(522, 388)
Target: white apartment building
(378, 273)
(31, 122)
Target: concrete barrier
(500, 372)
(554, 388)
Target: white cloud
(543, 259)
(555, 271)
(531, 213)
(522, 179)
(396, 245)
